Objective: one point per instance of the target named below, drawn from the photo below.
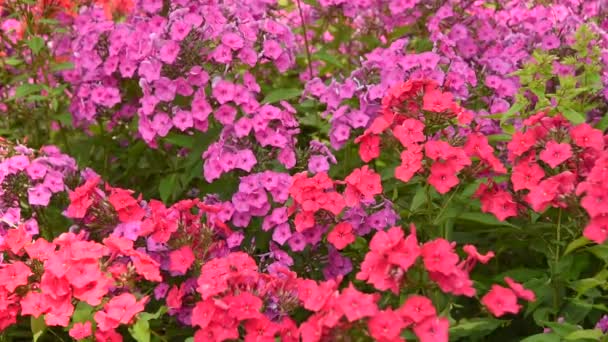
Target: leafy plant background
(544, 251)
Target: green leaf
(520, 274)
(419, 198)
(603, 123)
(36, 44)
(572, 115)
(62, 66)
(181, 140)
(469, 190)
(12, 61)
(499, 137)
(167, 186)
(82, 313)
(474, 327)
(281, 94)
(576, 244)
(576, 311)
(562, 329)
(141, 329)
(515, 108)
(483, 218)
(360, 244)
(542, 338)
(47, 21)
(600, 251)
(38, 327)
(591, 334)
(27, 89)
(150, 316)
(583, 285)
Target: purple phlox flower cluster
(365, 218)
(252, 198)
(179, 58)
(33, 177)
(269, 127)
(41, 174)
(337, 265)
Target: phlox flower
(432, 329)
(35, 304)
(586, 136)
(357, 305)
(342, 235)
(390, 256)
(416, 309)
(500, 301)
(81, 331)
(555, 154)
(520, 291)
(14, 275)
(181, 259)
(597, 229)
(361, 184)
(243, 306)
(385, 325)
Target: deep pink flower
(342, 235)
(432, 329)
(81, 331)
(555, 154)
(181, 259)
(500, 301)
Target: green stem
(558, 233)
(445, 205)
(305, 39)
(161, 337)
(43, 224)
(57, 336)
(556, 302)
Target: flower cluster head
(555, 164)
(334, 312)
(186, 68)
(71, 269)
(416, 114)
(314, 195)
(31, 177)
(269, 127)
(391, 256)
(233, 292)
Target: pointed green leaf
(590, 334)
(576, 244)
(27, 89)
(281, 94)
(38, 327)
(542, 338)
(36, 44)
(82, 313)
(167, 186)
(419, 198)
(474, 327)
(572, 115)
